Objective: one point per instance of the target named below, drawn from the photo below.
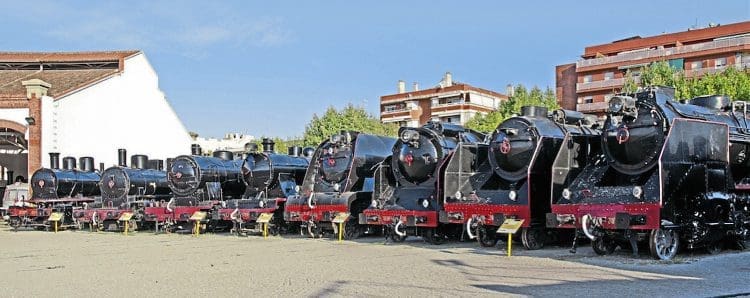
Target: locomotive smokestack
(139, 161)
(101, 167)
(225, 155)
(295, 150)
(87, 163)
(534, 111)
(195, 149)
(267, 145)
(169, 164)
(69, 163)
(122, 157)
(54, 160)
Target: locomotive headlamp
(409, 136)
(622, 105)
(336, 139)
(425, 203)
(374, 204)
(566, 194)
(458, 195)
(262, 204)
(637, 192)
(336, 186)
(512, 195)
(297, 189)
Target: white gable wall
(125, 111)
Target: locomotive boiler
(338, 180)
(126, 189)
(485, 184)
(407, 183)
(56, 190)
(672, 173)
(198, 183)
(270, 179)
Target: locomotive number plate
(264, 217)
(126, 216)
(198, 215)
(510, 226)
(55, 216)
(341, 217)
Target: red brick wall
(565, 81)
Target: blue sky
(264, 67)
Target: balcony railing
(600, 84)
(648, 53)
(395, 111)
(592, 107)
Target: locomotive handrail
(309, 200)
(468, 229)
(584, 226)
(171, 201)
(395, 229)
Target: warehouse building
(83, 104)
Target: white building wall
(125, 111)
(15, 115)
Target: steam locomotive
(198, 183)
(338, 180)
(126, 189)
(674, 174)
(270, 179)
(509, 178)
(406, 200)
(56, 190)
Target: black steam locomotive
(57, 190)
(338, 180)
(509, 177)
(198, 183)
(407, 196)
(270, 179)
(126, 189)
(675, 174)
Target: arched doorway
(13, 152)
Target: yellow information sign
(264, 217)
(55, 216)
(198, 216)
(126, 216)
(341, 217)
(510, 226)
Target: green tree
(521, 97)
(349, 118)
(732, 82)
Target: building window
(451, 119)
(587, 78)
(393, 108)
(588, 99)
(609, 75)
(696, 65)
(720, 62)
(450, 100)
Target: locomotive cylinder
(69, 163)
(54, 160)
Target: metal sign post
(340, 219)
(197, 217)
(125, 217)
(510, 226)
(265, 218)
(55, 217)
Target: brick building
(448, 102)
(588, 84)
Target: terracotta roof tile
(63, 81)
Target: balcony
(663, 53)
(592, 107)
(394, 111)
(611, 83)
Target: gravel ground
(43, 264)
